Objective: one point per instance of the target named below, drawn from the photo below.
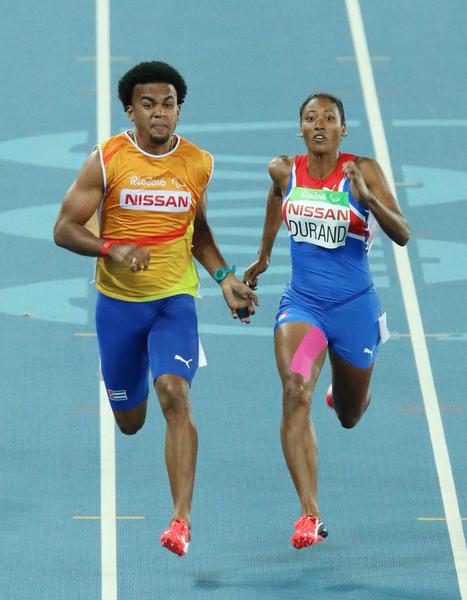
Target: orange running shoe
(329, 400)
(308, 531)
(176, 538)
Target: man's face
(154, 110)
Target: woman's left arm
(368, 185)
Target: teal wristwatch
(222, 273)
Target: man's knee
(129, 427)
(173, 396)
(130, 421)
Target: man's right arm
(80, 203)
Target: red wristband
(105, 248)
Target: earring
(299, 134)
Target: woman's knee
(348, 421)
(296, 399)
(349, 416)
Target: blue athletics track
(82, 506)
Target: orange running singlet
(148, 195)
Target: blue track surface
(248, 66)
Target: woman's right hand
(252, 273)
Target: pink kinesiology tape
(312, 344)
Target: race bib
(319, 217)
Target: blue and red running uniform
(331, 285)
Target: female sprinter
(329, 201)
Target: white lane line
(404, 270)
(108, 500)
(103, 69)
(107, 427)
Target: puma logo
(368, 351)
(180, 358)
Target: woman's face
(321, 126)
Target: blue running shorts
(161, 335)
(351, 327)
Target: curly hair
(334, 99)
(150, 72)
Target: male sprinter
(149, 186)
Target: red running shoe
(176, 538)
(329, 400)
(308, 531)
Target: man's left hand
(238, 295)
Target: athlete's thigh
(173, 341)
(122, 329)
(353, 345)
(350, 384)
(300, 349)
(353, 329)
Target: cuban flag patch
(117, 395)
